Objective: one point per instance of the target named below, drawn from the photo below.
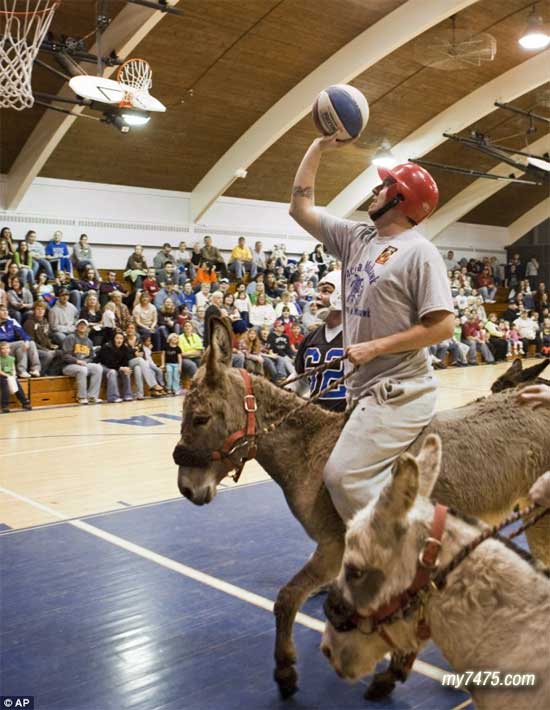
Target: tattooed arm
(302, 202)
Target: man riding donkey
(396, 302)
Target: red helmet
(417, 188)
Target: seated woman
(242, 303)
(156, 383)
(38, 328)
(142, 364)
(91, 311)
(122, 314)
(20, 301)
(146, 317)
(250, 347)
(23, 258)
(262, 313)
(82, 256)
(192, 348)
(43, 290)
(136, 268)
(115, 358)
(89, 281)
(168, 321)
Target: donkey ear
(398, 496)
(531, 373)
(220, 351)
(429, 464)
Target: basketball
(341, 109)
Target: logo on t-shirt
(386, 255)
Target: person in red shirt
(150, 284)
(472, 337)
(486, 285)
(295, 337)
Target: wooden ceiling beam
(123, 35)
(508, 86)
(528, 221)
(478, 191)
(396, 29)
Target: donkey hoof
(287, 680)
(381, 686)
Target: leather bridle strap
(246, 435)
(427, 561)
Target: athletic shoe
(140, 398)
(96, 400)
(128, 399)
(27, 406)
(35, 373)
(115, 401)
(83, 401)
(24, 375)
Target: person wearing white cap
(78, 353)
(324, 344)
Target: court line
(105, 513)
(31, 452)
(464, 705)
(220, 585)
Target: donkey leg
(322, 567)
(538, 537)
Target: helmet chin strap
(387, 207)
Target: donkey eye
(353, 572)
(200, 421)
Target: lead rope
(311, 400)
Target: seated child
(172, 361)
(8, 379)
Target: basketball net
(23, 26)
(137, 78)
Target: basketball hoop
(23, 26)
(137, 78)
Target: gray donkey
(494, 451)
(490, 619)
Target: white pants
(383, 424)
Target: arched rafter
(388, 34)
(531, 219)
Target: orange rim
(134, 59)
(32, 13)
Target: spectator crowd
(58, 316)
(495, 336)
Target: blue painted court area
(87, 625)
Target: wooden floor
(67, 462)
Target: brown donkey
(489, 616)
(494, 451)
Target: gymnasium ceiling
(224, 64)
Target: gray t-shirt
(388, 285)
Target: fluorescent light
(135, 119)
(535, 36)
(384, 158)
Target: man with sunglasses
(396, 302)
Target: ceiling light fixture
(535, 36)
(134, 118)
(384, 158)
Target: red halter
(427, 562)
(244, 437)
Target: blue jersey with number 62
(315, 350)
